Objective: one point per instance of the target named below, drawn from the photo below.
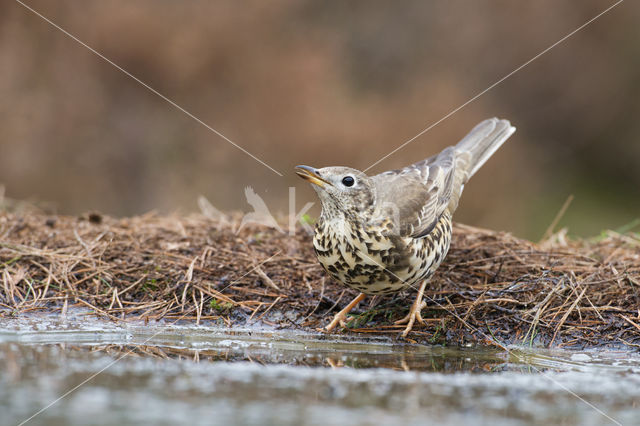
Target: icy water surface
(167, 374)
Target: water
(103, 373)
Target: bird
(385, 233)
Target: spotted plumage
(385, 233)
(373, 260)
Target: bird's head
(343, 191)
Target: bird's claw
(412, 317)
(339, 318)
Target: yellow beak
(310, 174)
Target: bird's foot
(340, 317)
(412, 317)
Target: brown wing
(417, 196)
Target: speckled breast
(373, 260)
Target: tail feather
(483, 141)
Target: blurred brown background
(320, 83)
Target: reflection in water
(204, 375)
(409, 359)
(150, 384)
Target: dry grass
(491, 286)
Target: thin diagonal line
(501, 345)
(93, 376)
(494, 84)
(151, 89)
(251, 270)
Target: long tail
(483, 141)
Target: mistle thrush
(381, 234)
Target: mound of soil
(492, 288)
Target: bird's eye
(348, 181)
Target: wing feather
(417, 195)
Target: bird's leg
(342, 315)
(414, 313)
